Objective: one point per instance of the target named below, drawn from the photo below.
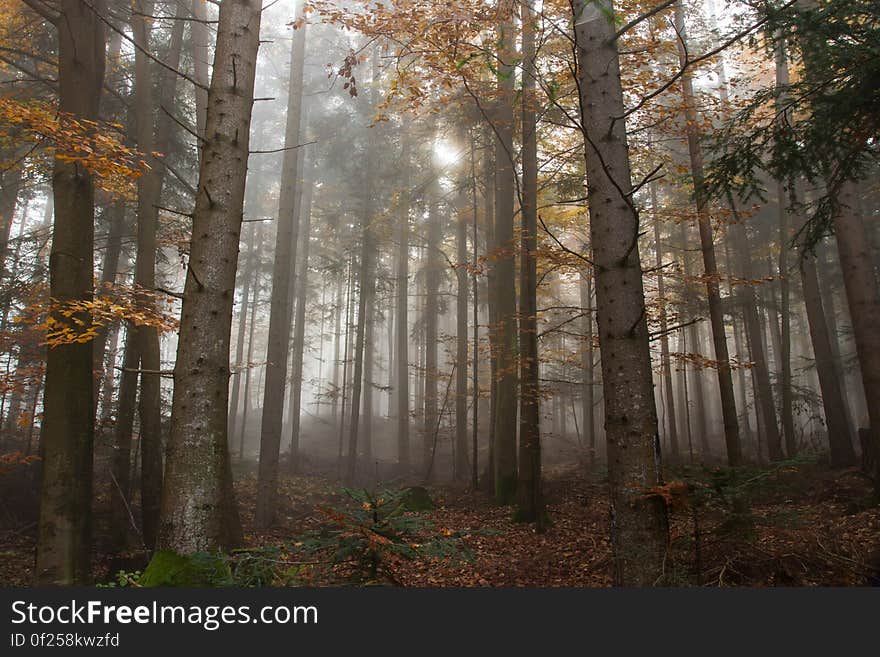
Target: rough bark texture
(198, 503)
(280, 311)
(504, 323)
(639, 526)
(66, 440)
(529, 499)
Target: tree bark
(198, 511)
(65, 523)
(639, 530)
(840, 443)
(281, 312)
(529, 497)
(300, 326)
(716, 313)
(665, 364)
(505, 415)
(401, 316)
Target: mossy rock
(168, 568)
(417, 498)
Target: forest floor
(806, 526)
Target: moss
(168, 568)
(417, 498)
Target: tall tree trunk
(299, 333)
(65, 523)
(751, 319)
(716, 313)
(432, 269)
(588, 402)
(401, 316)
(280, 313)
(250, 348)
(246, 276)
(198, 510)
(529, 499)
(639, 531)
(505, 420)
(782, 81)
(461, 338)
(489, 178)
(839, 437)
(109, 269)
(860, 283)
(149, 188)
(475, 467)
(665, 364)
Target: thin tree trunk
(432, 270)
(839, 437)
(300, 327)
(235, 402)
(666, 366)
(716, 313)
(280, 313)
(402, 329)
(461, 337)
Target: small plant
(376, 532)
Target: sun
(445, 153)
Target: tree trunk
(280, 313)
(588, 402)
(66, 441)
(639, 531)
(401, 316)
(198, 503)
(716, 313)
(761, 369)
(529, 499)
(300, 326)
(461, 338)
(840, 444)
(246, 276)
(860, 283)
(432, 269)
(505, 420)
(666, 366)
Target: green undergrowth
(362, 538)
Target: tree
(198, 510)
(529, 502)
(504, 265)
(281, 312)
(713, 293)
(639, 533)
(66, 439)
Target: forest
(534, 293)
